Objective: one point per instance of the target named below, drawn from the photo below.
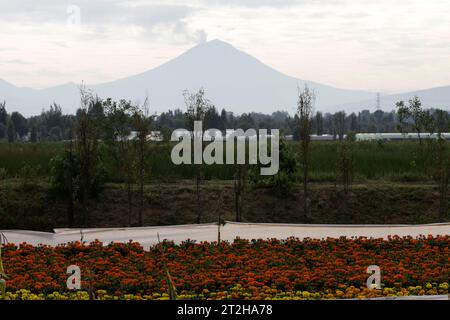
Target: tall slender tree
(117, 132)
(143, 124)
(305, 109)
(198, 107)
(87, 134)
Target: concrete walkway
(148, 236)
(431, 297)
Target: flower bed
(259, 269)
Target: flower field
(258, 269)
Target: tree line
(53, 125)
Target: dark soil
(38, 208)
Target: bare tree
(305, 109)
(197, 110)
(142, 123)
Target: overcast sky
(383, 45)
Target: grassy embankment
(392, 185)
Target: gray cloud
(197, 36)
(258, 3)
(16, 61)
(93, 12)
(274, 3)
(99, 15)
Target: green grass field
(396, 161)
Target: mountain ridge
(232, 79)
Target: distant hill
(232, 79)
(431, 98)
(31, 102)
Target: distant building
(398, 136)
(323, 137)
(153, 136)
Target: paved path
(435, 297)
(148, 236)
